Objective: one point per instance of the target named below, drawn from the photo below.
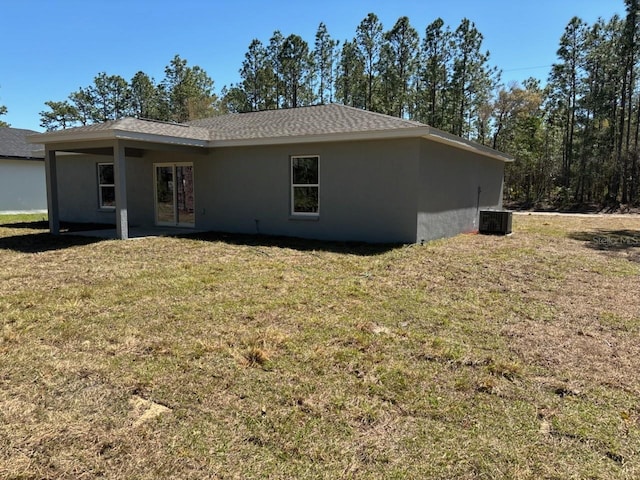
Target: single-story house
(327, 172)
(22, 177)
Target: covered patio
(120, 142)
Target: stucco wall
(367, 191)
(78, 190)
(404, 190)
(454, 185)
(22, 186)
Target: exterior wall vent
(496, 222)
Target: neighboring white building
(22, 175)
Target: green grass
(472, 357)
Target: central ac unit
(497, 222)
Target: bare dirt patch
(144, 410)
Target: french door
(175, 203)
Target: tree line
(575, 139)
(592, 113)
(444, 79)
(185, 93)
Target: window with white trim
(305, 185)
(106, 186)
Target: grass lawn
(244, 357)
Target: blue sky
(52, 47)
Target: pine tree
(398, 65)
(350, 77)
(189, 91)
(435, 76)
(296, 70)
(61, 115)
(257, 78)
(566, 77)
(110, 97)
(3, 111)
(273, 53)
(145, 98)
(369, 41)
(324, 55)
(630, 54)
(83, 102)
(472, 80)
(598, 93)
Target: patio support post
(51, 175)
(120, 174)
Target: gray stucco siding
(236, 187)
(367, 191)
(78, 189)
(449, 200)
(401, 190)
(371, 190)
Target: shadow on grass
(43, 241)
(67, 227)
(295, 243)
(35, 225)
(609, 240)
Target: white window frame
(295, 185)
(102, 185)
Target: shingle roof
(331, 122)
(300, 122)
(13, 144)
(135, 125)
(316, 120)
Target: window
(106, 186)
(305, 185)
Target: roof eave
(52, 138)
(22, 157)
(430, 133)
(411, 132)
(166, 139)
(441, 136)
(64, 136)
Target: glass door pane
(184, 195)
(165, 203)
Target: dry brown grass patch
(471, 357)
